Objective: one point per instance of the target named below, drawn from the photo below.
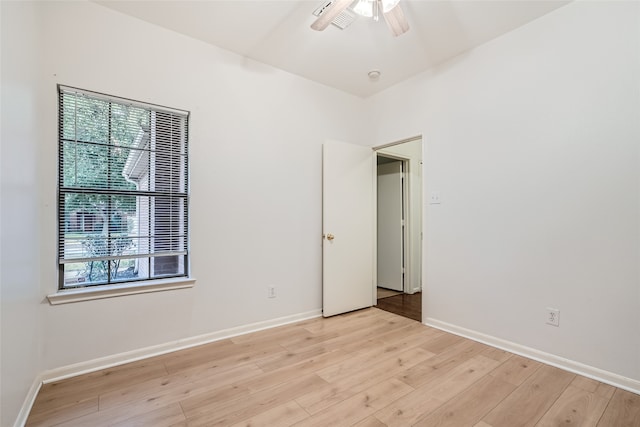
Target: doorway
(390, 225)
(349, 231)
(399, 228)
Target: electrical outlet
(553, 316)
(271, 291)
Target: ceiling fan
(390, 9)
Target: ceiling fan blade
(330, 14)
(396, 21)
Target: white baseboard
(540, 356)
(143, 353)
(21, 420)
(76, 369)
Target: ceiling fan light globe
(387, 5)
(364, 8)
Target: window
(123, 190)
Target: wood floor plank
(155, 389)
(224, 355)
(366, 356)
(367, 376)
(338, 339)
(585, 383)
(497, 354)
(111, 418)
(116, 407)
(623, 410)
(352, 342)
(516, 370)
(346, 322)
(360, 406)
(197, 355)
(370, 421)
(605, 390)
(443, 342)
(272, 335)
(162, 417)
(386, 335)
(469, 406)
(290, 357)
(287, 373)
(422, 402)
(414, 332)
(61, 414)
(439, 365)
(284, 415)
(460, 378)
(193, 403)
(78, 389)
(216, 413)
(406, 411)
(575, 407)
(205, 391)
(419, 338)
(593, 386)
(326, 338)
(531, 400)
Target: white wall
(21, 321)
(533, 142)
(256, 135)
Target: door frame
(412, 272)
(405, 217)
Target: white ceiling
(277, 32)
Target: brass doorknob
(330, 237)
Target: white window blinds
(123, 190)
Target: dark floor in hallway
(404, 305)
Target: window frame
(134, 285)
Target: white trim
(131, 288)
(181, 344)
(407, 274)
(391, 144)
(29, 400)
(601, 375)
(121, 100)
(374, 228)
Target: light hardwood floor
(367, 368)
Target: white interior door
(390, 232)
(348, 173)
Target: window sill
(99, 292)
